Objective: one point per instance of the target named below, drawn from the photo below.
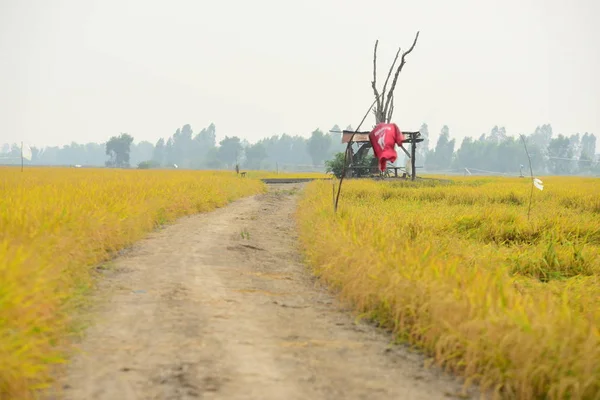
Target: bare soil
(220, 306)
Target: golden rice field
(56, 225)
(457, 269)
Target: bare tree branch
(391, 70)
(402, 62)
(374, 82)
(391, 110)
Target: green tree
(256, 154)
(335, 166)
(158, 155)
(497, 135)
(585, 163)
(118, 148)
(560, 152)
(206, 139)
(285, 149)
(441, 157)
(182, 146)
(202, 144)
(423, 147)
(141, 151)
(94, 154)
(148, 164)
(588, 152)
(212, 159)
(588, 144)
(318, 146)
(336, 141)
(230, 149)
(538, 143)
(170, 152)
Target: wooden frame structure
(362, 138)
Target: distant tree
(256, 154)
(141, 151)
(11, 154)
(441, 157)
(575, 151)
(51, 156)
(467, 155)
(203, 143)
(587, 154)
(94, 154)
(170, 152)
(285, 149)
(585, 163)
(118, 148)
(423, 147)
(182, 146)
(15, 151)
(336, 141)
(148, 164)
(73, 153)
(492, 151)
(230, 149)
(206, 139)
(158, 155)
(575, 145)
(539, 141)
(497, 135)
(560, 153)
(318, 146)
(588, 144)
(212, 159)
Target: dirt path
(200, 310)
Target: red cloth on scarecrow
(383, 138)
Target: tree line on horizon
(494, 152)
(497, 152)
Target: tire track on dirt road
(220, 306)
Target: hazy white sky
(83, 70)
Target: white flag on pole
(27, 155)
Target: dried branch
(374, 82)
(402, 62)
(391, 110)
(391, 70)
(531, 170)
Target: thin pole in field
(337, 199)
(531, 171)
